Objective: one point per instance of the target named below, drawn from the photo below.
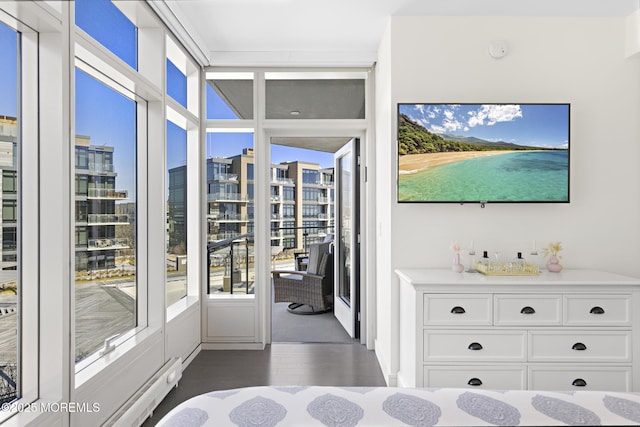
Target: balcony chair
(313, 288)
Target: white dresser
(575, 330)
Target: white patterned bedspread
(390, 406)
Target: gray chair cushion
(316, 252)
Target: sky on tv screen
(540, 125)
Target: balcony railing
(107, 243)
(315, 216)
(227, 217)
(225, 177)
(108, 219)
(101, 167)
(238, 197)
(107, 193)
(234, 257)
(278, 180)
(221, 236)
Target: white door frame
(346, 313)
(309, 129)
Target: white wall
(576, 60)
(384, 185)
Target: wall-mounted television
(483, 153)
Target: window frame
(84, 65)
(187, 118)
(27, 206)
(144, 87)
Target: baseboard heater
(140, 406)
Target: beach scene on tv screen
(483, 153)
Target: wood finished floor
(349, 364)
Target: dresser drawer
(597, 310)
(461, 309)
(490, 377)
(583, 378)
(474, 346)
(527, 310)
(580, 346)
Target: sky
(109, 118)
(539, 125)
(8, 71)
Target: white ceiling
(339, 32)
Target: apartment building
(99, 229)
(302, 200)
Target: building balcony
(101, 167)
(227, 217)
(107, 219)
(107, 193)
(287, 181)
(225, 177)
(227, 197)
(107, 243)
(221, 236)
(320, 216)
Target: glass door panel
(346, 305)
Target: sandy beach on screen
(412, 163)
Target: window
(125, 44)
(9, 184)
(230, 222)
(289, 228)
(9, 210)
(288, 211)
(310, 176)
(289, 194)
(311, 194)
(176, 84)
(229, 96)
(176, 282)
(10, 359)
(311, 211)
(106, 284)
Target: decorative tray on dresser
(575, 330)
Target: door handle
(475, 382)
(458, 310)
(579, 382)
(579, 346)
(527, 310)
(475, 346)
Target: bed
(392, 406)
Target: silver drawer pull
(597, 310)
(527, 310)
(475, 346)
(475, 382)
(579, 382)
(458, 310)
(579, 346)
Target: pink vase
(553, 265)
(457, 265)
